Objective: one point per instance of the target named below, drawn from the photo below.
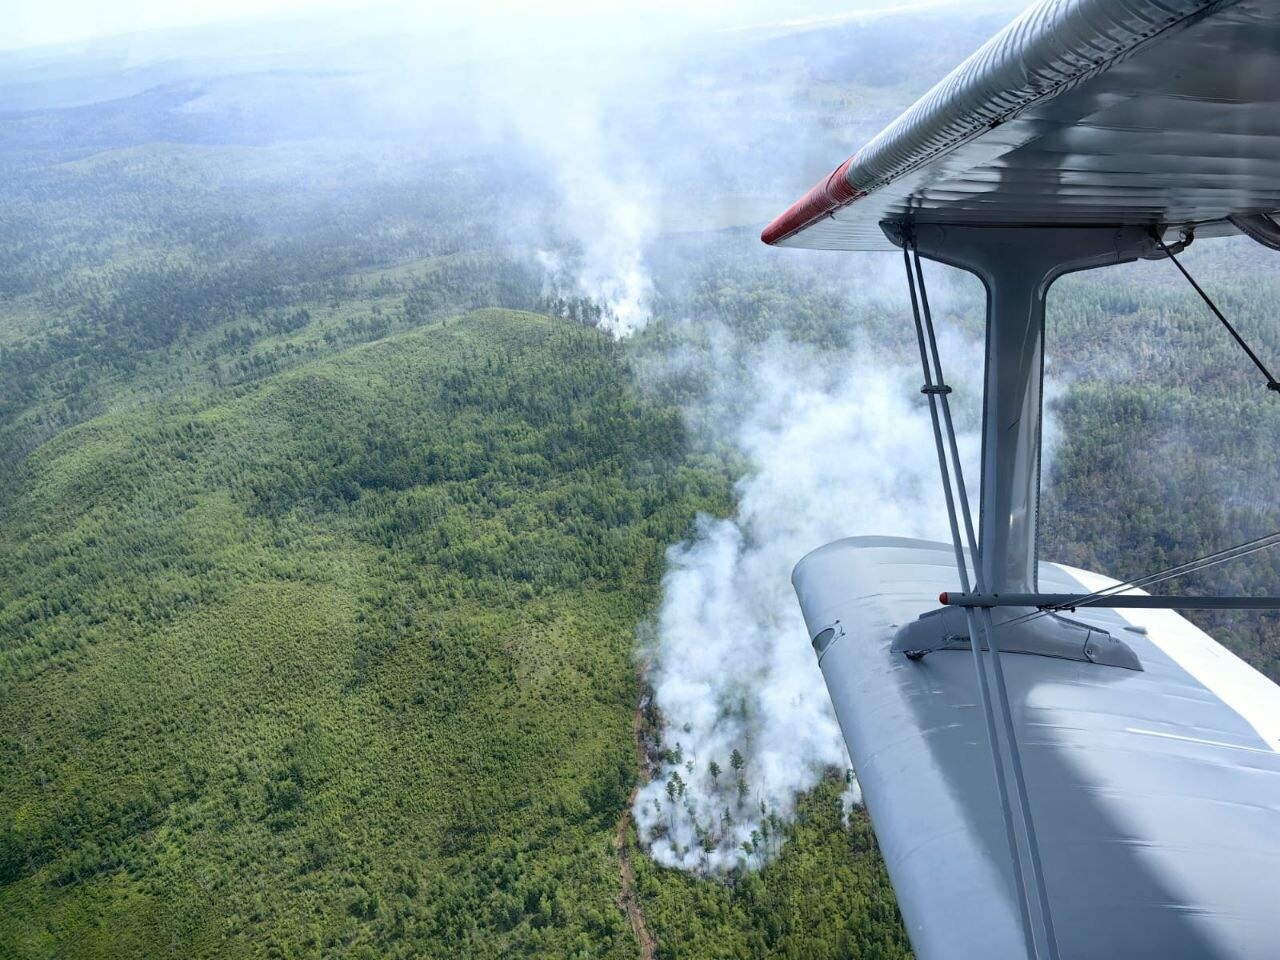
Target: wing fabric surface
(1155, 793)
(1095, 112)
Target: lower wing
(1155, 792)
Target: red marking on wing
(827, 195)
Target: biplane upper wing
(1080, 112)
(1129, 806)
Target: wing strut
(1037, 921)
(1272, 384)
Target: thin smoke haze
(610, 129)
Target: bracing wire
(1209, 560)
(1245, 549)
(1272, 383)
(936, 389)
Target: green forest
(320, 573)
(326, 530)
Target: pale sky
(28, 23)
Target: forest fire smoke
(838, 446)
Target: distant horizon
(66, 24)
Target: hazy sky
(30, 23)
(34, 22)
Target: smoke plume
(634, 133)
(838, 445)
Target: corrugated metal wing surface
(1080, 112)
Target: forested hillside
(340, 661)
(344, 661)
(1167, 431)
(319, 589)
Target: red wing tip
(830, 193)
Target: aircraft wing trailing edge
(1055, 768)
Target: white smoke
(839, 445)
(567, 116)
(608, 220)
